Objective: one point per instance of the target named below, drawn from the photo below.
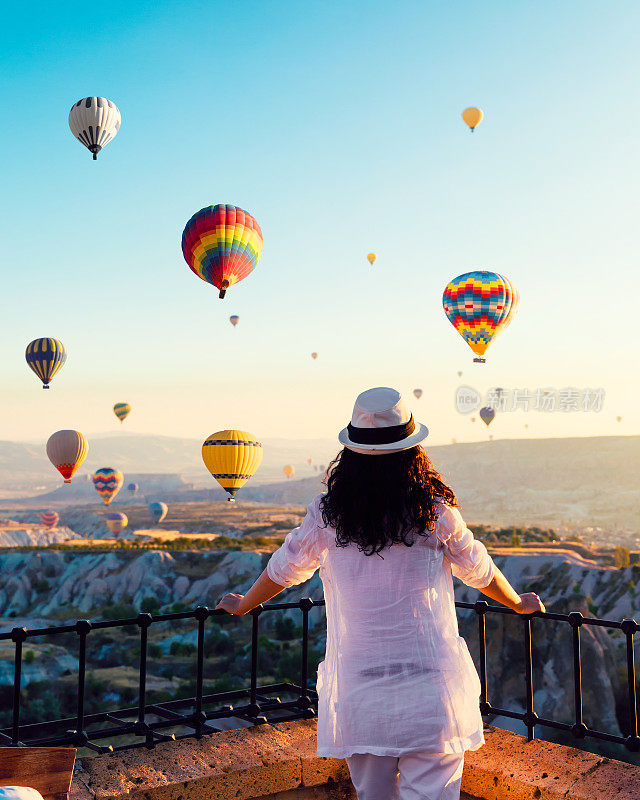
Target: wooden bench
(47, 769)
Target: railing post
(18, 636)
(579, 729)
(202, 612)
(481, 607)
(142, 729)
(304, 701)
(632, 742)
(83, 626)
(530, 717)
(254, 707)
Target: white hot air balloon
(94, 121)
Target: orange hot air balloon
(473, 117)
(309, 461)
(289, 470)
(371, 258)
(66, 451)
(314, 356)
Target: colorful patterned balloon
(45, 357)
(234, 319)
(122, 411)
(49, 519)
(108, 482)
(222, 245)
(479, 305)
(66, 451)
(158, 511)
(133, 488)
(117, 522)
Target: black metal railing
(147, 724)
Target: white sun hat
(381, 424)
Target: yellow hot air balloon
(122, 411)
(473, 117)
(289, 470)
(371, 258)
(232, 457)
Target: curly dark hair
(375, 501)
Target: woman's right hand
(529, 604)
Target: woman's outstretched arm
(261, 591)
(501, 590)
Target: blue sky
(337, 125)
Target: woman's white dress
(397, 677)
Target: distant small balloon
(618, 419)
(417, 393)
(158, 511)
(487, 415)
(289, 470)
(49, 519)
(314, 356)
(473, 419)
(453, 441)
(309, 461)
(234, 319)
(490, 437)
(117, 522)
(122, 411)
(94, 121)
(371, 258)
(132, 488)
(473, 117)
(459, 374)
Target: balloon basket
(45, 386)
(479, 360)
(231, 499)
(223, 289)
(67, 480)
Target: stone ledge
(279, 762)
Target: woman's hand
(529, 604)
(234, 604)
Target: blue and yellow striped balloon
(122, 411)
(45, 357)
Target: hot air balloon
(66, 451)
(49, 519)
(490, 438)
(288, 470)
(117, 522)
(234, 319)
(133, 488)
(473, 419)
(417, 393)
(459, 374)
(232, 457)
(479, 305)
(45, 357)
(453, 441)
(158, 511)
(526, 427)
(122, 411)
(314, 356)
(108, 482)
(94, 121)
(618, 419)
(371, 258)
(473, 117)
(222, 245)
(487, 415)
(309, 461)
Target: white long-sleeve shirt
(396, 676)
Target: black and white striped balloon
(94, 121)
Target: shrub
(150, 605)
(29, 657)
(621, 557)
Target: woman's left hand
(233, 603)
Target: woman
(398, 691)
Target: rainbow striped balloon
(480, 305)
(222, 244)
(122, 411)
(49, 519)
(45, 357)
(108, 482)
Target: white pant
(422, 776)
